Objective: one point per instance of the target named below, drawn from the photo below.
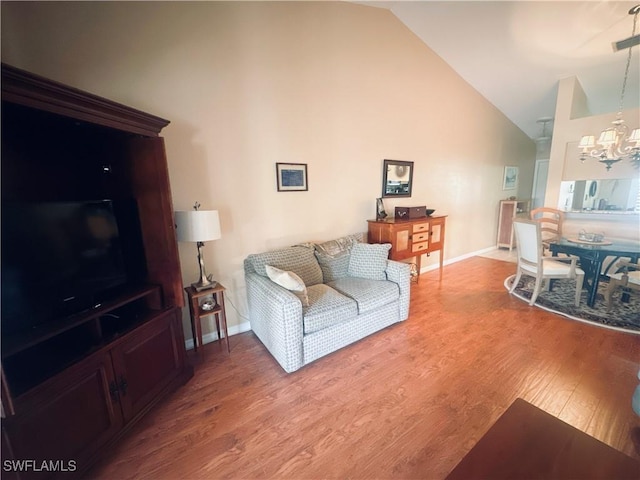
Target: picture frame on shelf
(510, 178)
(292, 177)
(381, 214)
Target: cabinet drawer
(421, 237)
(421, 227)
(419, 247)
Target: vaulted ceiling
(514, 52)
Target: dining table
(592, 256)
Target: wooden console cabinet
(410, 238)
(72, 386)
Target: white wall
(338, 86)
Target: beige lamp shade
(588, 141)
(197, 225)
(608, 137)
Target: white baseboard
(449, 261)
(213, 336)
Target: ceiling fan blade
(626, 43)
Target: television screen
(58, 258)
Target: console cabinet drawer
(421, 237)
(419, 247)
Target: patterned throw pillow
(369, 260)
(333, 267)
(296, 259)
(333, 256)
(290, 281)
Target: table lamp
(198, 226)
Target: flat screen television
(58, 259)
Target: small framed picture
(292, 177)
(510, 180)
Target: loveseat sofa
(328, 295)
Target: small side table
(197, 312)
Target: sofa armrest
(400, 273)
(275, 315)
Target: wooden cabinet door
(147, 361)
(401, 242)
(436, 234)
(68, 417)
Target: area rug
(623, 316)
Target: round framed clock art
(401, 170)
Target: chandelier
(616, 143)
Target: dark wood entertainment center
(72, 386)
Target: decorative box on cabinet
(72, 386)
(410, 238)
(509, 210)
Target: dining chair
(550, 220)
(635, 400)
(627, 278)
(532, 262)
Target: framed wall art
(397, 178)
(510, 179)
(292, 177)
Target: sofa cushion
(327, 307)
(369, 260)
(368, 294)
(299, 260)
(290, 281)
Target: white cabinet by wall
(509, 209)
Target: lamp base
(204, 284)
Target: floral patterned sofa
(309, 300)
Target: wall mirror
(397, 178)
(620, 195)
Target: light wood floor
(407, 402)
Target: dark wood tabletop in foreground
(527, 442)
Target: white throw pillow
(290, 281)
